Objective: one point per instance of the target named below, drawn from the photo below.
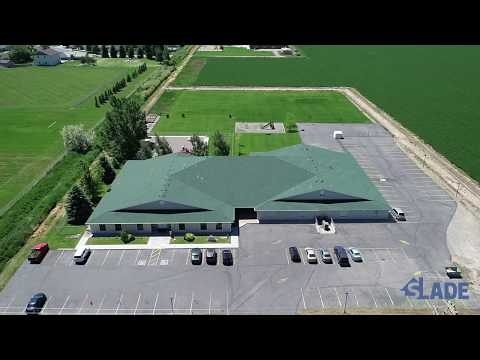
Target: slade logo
(447, 290)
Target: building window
(140, 227)
(203, 226)
(218, 226)
(118, 227)
(103, 227)
(181, 226)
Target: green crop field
(233, 51)
(36, 102)
(207, 111)
(432, 90)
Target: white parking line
(119, 303)
(121, 257)
(83, 303)
(321, 299)
(9, 304)
(46, 304)
(155, 305)
(191, 304)
(356, 299)
(301, 256)
(58, 258)
(210, 305)
(288, 258)
(173, 255)
(188, 257)
(136, 258)
(138, 302)
(228, 312)
(338, 297)
(391, 300)
(374, 301)
(101, 304)
(64, 304)
(173, 301)
(303, 299)
(105, 259)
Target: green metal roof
(180, 188)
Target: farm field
(208, 111)
(431, 90)
(233, 51)
(35, 104)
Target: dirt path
(159, 92)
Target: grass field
(432, 90)
(208, 111)
(35, 104)
(116, 240)
(233, 51)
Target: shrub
(124, 236)
(189, 237)
(77, 139)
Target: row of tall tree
(158, 52)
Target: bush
(189, 237)
(88, 60)
(124, 236)
(77, 139)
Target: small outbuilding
(337, 134)
(7, 63)
(46, 56)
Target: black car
(36, 303)
(294, 254)
(342, 255)
(211, 257)
(196, 256)
(227, 257)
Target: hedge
(19, 222)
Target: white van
(337, 134)
(398, 214)
(81, 255)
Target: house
(46, 56)
(209, 194)
(7, 63)
(68, 53)
(273, 47)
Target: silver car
(311, 257)
(355, 254)
(325, 256)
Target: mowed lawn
(233, 51)
(432, 90)
(35, 104)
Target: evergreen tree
(77, 206)
(95, 49)
(162, 147)
(159, 53)
(104, 52)
(113, 51)
(121, 52)
(148, 51)
(89, 185)
(129, 78)
(199, 147)
(108, 174)
(145, 151)
(221, 148)
(96, 102)
(122, 130)
(131, 52)
(140, 52)
(88, 48)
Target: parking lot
(263, 279)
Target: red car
(38, 253)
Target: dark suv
(227, 257)
(294, 254)
(36, 303)
(211, 256)
(196, 256)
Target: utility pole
(345, 305)
(424, 160)
(458, 189)
(171, 303)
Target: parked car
(36, 303)
(81, 255)
(311, 256)
(325, 256)
(211, 256)
(196, 257)
(38, 253)
(294, 254)
(342, 256)
(355, 254)
(227, 257)
(398, 214)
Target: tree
(77, 139)
(104, 52)
(148, 51)
(77, 206)
(88, 60)
(162, 147)
(121, 52)
(140, 52)
(113, 51)
(159, 53)
(121, 131)
(96, 102)
(129, 78)
(199, 147)
(145, 152)
(131, 52)
(20, 54)
(89, 185)
(124, 237)
(108, 174)
(221, 148)
(95, 49)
